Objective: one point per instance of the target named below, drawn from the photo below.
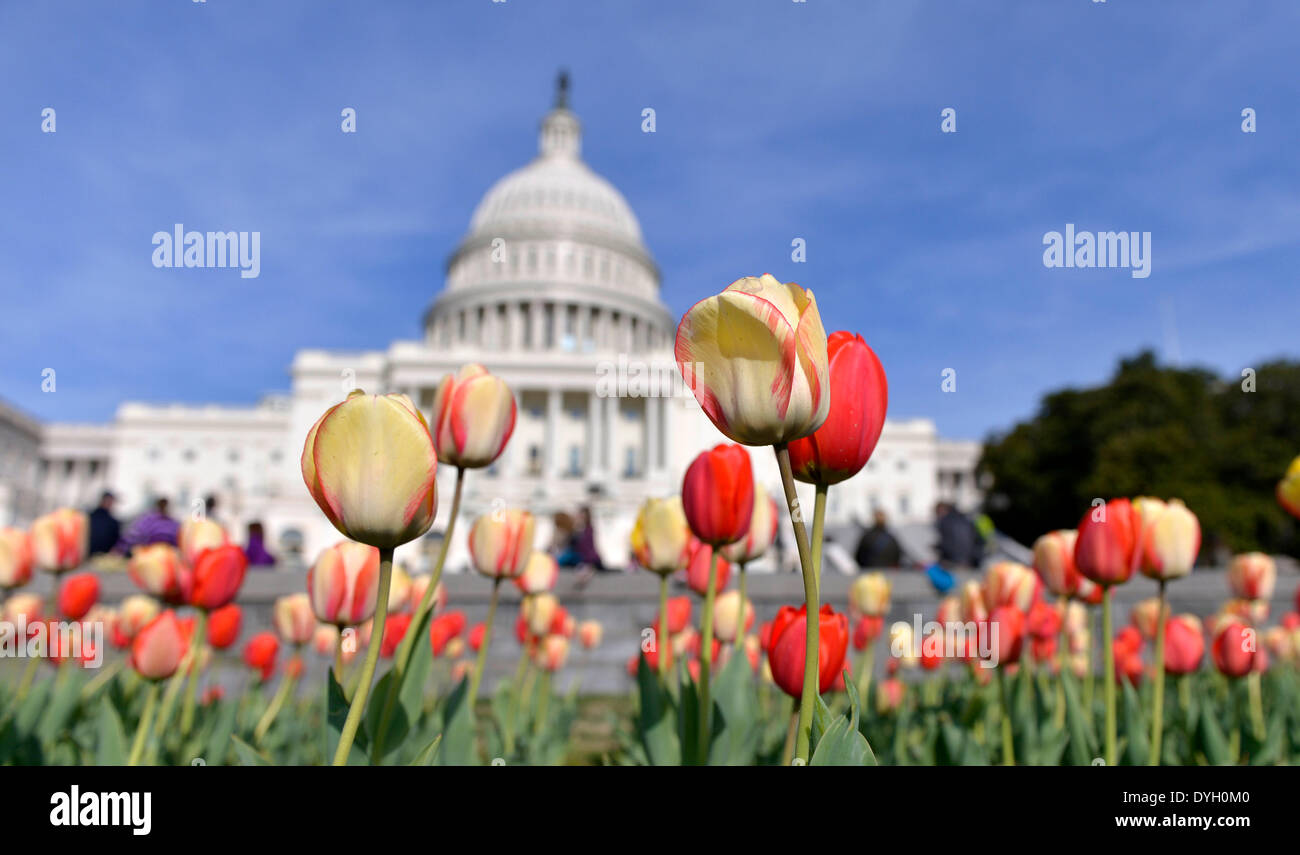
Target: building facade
(553, 289)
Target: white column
(593, 462)
(609, 461)
(551, 456)
(651, 460)
(558, 311)
(516, 335)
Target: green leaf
(63, 703)
(458, 746)
(218, 745)
(688, 716)
(656, 723)
(1138, 748)
(1082, 745)
(736, 723)
(425, 757)
(110, 737)
(842, 744)
(248, 755)
(1211, 738)
(336, 713)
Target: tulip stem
(1256, 706)
(787, 756)
(1008, 741)
(706, 660)
(539, 723)
(866, 665)
(419, 622)
(165, 714)
(662, 635)
(29, 674)
(1158, 695)
(819, 526)
(516, 694)
(739, 641)
(358, 705)
(268, 717)
(142, 729)
(192, 691)
(808, 698)
(483, 646)
(338, 660)
(1062, 662)
(1108, 663)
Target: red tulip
(476, 636)
(223, 626)
(394, 628)
(1010, 626)
(867, 630)
(1233, 650)
(718, 494)
(1044, 620)
(697, 571)
(788, 646)
(158, 649)
(1127, 650)
(679, 615)
(1105, 549)
(859, 397)
(78, 594)
(444, 628)
(217, 575)
(1184, 644)
(260, 653)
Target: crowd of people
(109, 537)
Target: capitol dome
(553, 260)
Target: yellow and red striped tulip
(16, 558)
(755, 357)
(539, 574)
(1008, 583)
(293, 618)
(1288, 489)
(539, 613)
(1054, 561)
(60, 540)
(159, 647)
(1170, 538)
(1252, 576)
(973, 607)
(501, 542)
(727, 623)
(869, 595)
(135, 612)
(370, 464)
(344, 583)
(661, 537)
(157, 569)
(197, 535)
(26, 607)
(473, 417)
(762, 530)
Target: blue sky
(775, 120)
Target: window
(575, 461)
(534, 460)
(629, 462)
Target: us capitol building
(553, 289)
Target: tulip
(1009, 624)
(697, 571)
(1054, 561)
(788, 649)
(1106, 552)
(890, 695)
(156, 653)
(973, 608)
(420, 586)
(1007, 583)
(395, 627)
(343, 583)
(867, 630)
(476, 636)
(135, 612)
(553, 652)
(718, 494)
(473, 417)
(501, 543)
(679, 616)
(260, 653)
(16, 558)
(157, 569)
(1288, 489)
(563, 623)
(661, 537)
(859, 395)
(1146, 615)
(293, 618)
(77, 594)
(1127, 650)
(869, 595)
(590, 632)
(25, 607)
(1184, 644)
(539, 613)
(60, 540)
(197, 535)
(540, 573)
(761, 533)
(1171, 538)
(1233, 650)
(1252, 576)
(755, 357)
(902, 646)
(444, 628)
(223, 626)
(1044, 620)
(727, 624)
(1278, 642)
(325, 641)
(217, 575)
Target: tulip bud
(755, 358)
(761, 533)
(539, 611)
(1278, 641)
(679, 616)
(1127, 651)
(727, 609)
(1234, 651)
(325, 641)
(135, 612)
(24, 607)
(1170, 538)
(1009, 623)
(859, 397)
(60, 540)
(540, 573)
(444, 629)
(394, 631)
(1007, 583)
(590, 633)
(293, 618)
(217, 574)
(260, 653)
(501, 542)
(476, 634)
(473, 417)
(869, 595)
(867, 630)
(697, 572)
(156, 568)
(661, 538)
(344, 583)
(1145, 616)
(1105, 548)
(197, 535)
(16, 558)
(369, 463)
(787, 647)
(1044, 620)
(77, 594)
(553, 652)
(159, 647)
(1252, 576)
(1054, 561)
(973, 607)
(718, 494)
(889, 695)
(1184, 644)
